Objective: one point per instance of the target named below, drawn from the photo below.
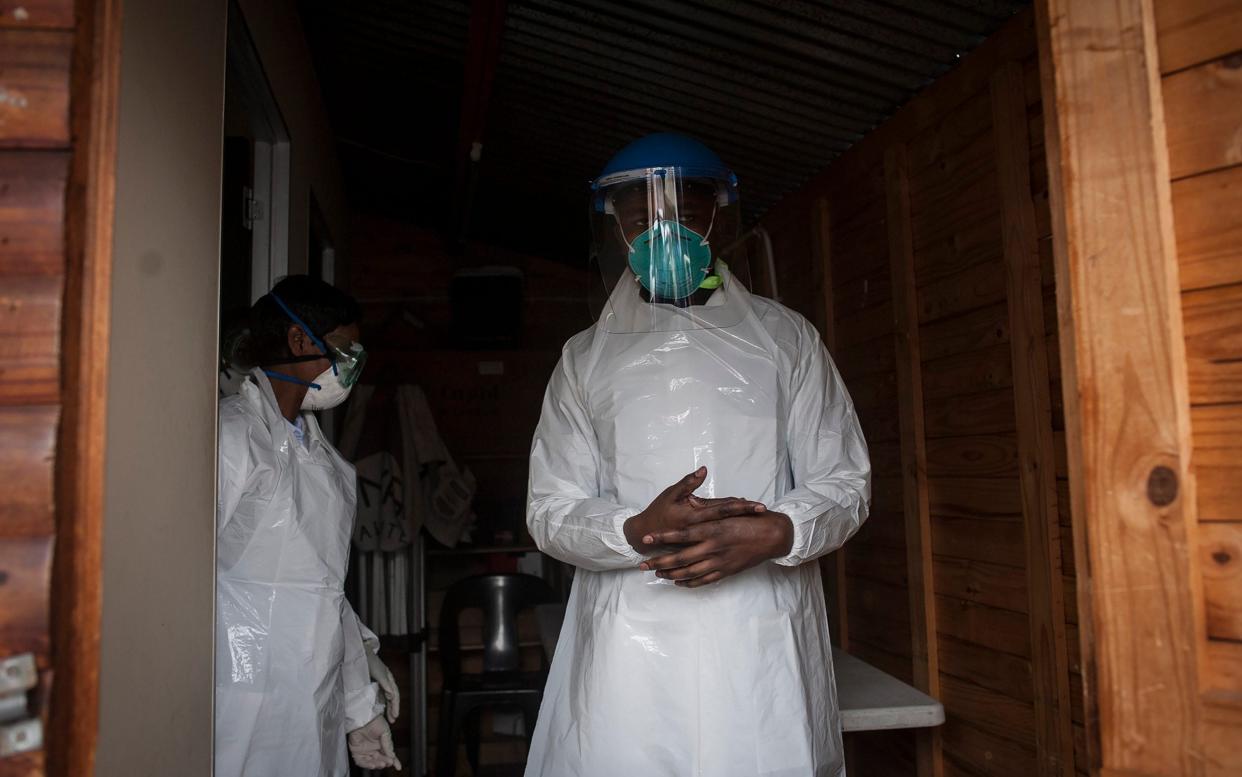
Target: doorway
(254, 225)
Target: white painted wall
(159, 522)
(157, 650)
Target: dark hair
(321, 307)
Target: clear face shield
(657, 240)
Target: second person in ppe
(298, 678)
(695, 640)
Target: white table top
(868, 699)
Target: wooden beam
(921, 580)
(1125, 386)
(833, 567)
(1054, 737)
(77, 591)
(486, 33)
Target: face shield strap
(327, 353)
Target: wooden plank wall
(952, 364)
(36, 50)
(1200, 45)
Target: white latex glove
(371, 746)
(384, 678)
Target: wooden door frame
(77, 597)
(1125, 387)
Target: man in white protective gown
(696, 452)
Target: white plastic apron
(282, 558)
(729, 680)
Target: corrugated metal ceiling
(778, 87)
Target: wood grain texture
(967, 373)
(974, 243)
(954, 206)
(991, 627)
(921, 580)
(973, 331)
(1222, 722)
(1005, 673)
(26, 584)
(30, 318)
(974, 287)
(988, 710)
(987, 413)
(80, 477)
(32, 213)
(1220, 552)
(34, 82)
(1209, 234)
(1224, 664)
(1070, 586)
(937, 187)
(1194, 31)
(979, 456)
(982, 582)
(994, 540)
(957, 130)
(1119, 309)
(984, 753)
(1204, 110)
(37, 14)
(1054, 742)
(1212, 322)
(1217, 431)
(28, 458)
(974, 498)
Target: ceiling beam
(486, 34)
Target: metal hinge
(18, 734)
(252, 209)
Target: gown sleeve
(566, 517)
(233, 465)
(363, 701)
(828, 457)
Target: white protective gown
(291, 667)
(732, 679)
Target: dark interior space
(552, 89)
(468, 134)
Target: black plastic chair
(502, 682)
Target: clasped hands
(702, 541)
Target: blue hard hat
(665, 149)
(668, 150)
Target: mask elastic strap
(290, 379)
(318, 343)
(617, 220)
(710, 225)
